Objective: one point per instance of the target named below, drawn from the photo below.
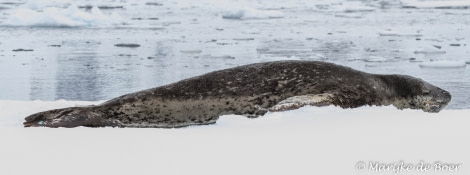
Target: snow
(310, 140)
(443, 64)
(60, 17)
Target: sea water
(96, 50)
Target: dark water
(83, 63)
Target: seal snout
(70, 117)
(52, 118)
(436, 99)
(34, 120)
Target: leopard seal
(250, 90)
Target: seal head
(415, 93)
(69, 118)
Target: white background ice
(311, 140)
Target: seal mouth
(40, 120)
(37, 124)
(27, 124)
(436, 103)
(433, 99)
(48, 118)
(34, 120)
(434, 108)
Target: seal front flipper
(297, 102)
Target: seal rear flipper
(297, 102)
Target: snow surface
(311, 140)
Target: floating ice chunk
(130, 45)
(345, 7)
(356, 59)
(262, 49)
(223, 57)
(416, 60)
(250, 13)
(388, 33)
(429, 50)
(22, 50)
(452, 4)
(196, 51)
(40, 5)
(349, 15)
(395, 33)
(372, 65)
(58, 17)
(243, 39)
(355, 8)
(443, 64)
(377, 59)
(319, 56)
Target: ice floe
(430, 50)
(345, 7)
(194, 51)
(443, 64)
(29, 16)
(390, 32)
(251, 13)
(452, 4)
(130, 45)
(348, 8)
(378, 59)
